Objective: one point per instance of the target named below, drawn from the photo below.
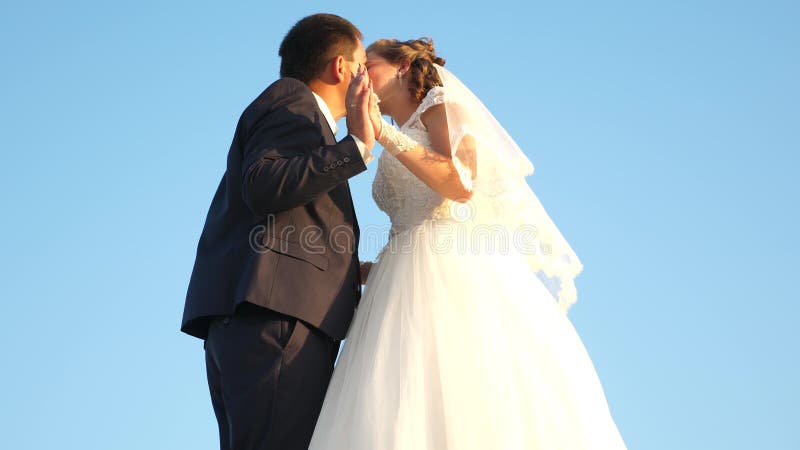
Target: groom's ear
(339, 67)
(334, 71)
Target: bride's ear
(403, 68)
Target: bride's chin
(383, 104)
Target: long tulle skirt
(461, 350)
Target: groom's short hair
(313, 42)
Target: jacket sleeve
(284, 166)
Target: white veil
(501, 196)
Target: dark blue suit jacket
(281, 231)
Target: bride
(461, 339)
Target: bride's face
(384, 78)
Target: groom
(276, 278)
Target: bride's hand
(375, 113)
(365, 268)
(357, 104)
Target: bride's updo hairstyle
(420, 55)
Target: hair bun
(424, 46)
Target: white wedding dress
(453, 349)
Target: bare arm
(435, 166)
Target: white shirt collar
(326, 112)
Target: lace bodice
(398, 192)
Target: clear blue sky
(665, 137)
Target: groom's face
(358, 60)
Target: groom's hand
(357, 104)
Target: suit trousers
(267, 374)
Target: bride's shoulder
(435, 96)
